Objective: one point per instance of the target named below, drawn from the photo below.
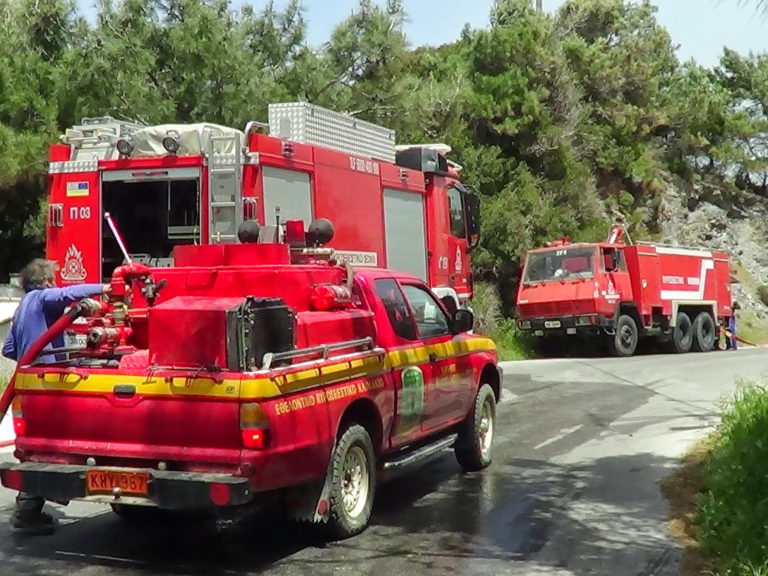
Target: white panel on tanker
(154, 213)
(404, 230)
(289, 190)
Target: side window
(430, 318)
(608, 255)
(397, 310)
(456, 213)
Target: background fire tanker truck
(619, 293)
(250, 373)
(399, 207)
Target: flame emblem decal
(73, 269)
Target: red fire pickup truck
(252, 371)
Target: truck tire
(704, 332)
(682, 335)
(353, 484)
(474, 446)
(624, 340)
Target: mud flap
(310, 503)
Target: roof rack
(97, 130)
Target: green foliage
(489, 321)
(562, 122)
(733, 506)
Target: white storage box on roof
(309, 124)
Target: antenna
(108, 218)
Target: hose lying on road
(56, 328)
(740, 339)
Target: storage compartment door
(290, 191)
(404, 229)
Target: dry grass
(681, 490)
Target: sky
(700, 27)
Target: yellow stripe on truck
(247, 387)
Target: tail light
(254, 426)
(220, 494)
(13, 479)
(17, 413)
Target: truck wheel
(473, 448)
(624, 341)
(682, 336)
(353, 484)
(704, 332)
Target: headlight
(583, 320)
(125, 145)
(525, 324)
(171, 141)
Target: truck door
(410, 366)
(450, 262)
(74, 225)
(450, 380)
(615, 286)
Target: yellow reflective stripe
(145, 385)
(303, 379)
(251, 388)
(453, 348)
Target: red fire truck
(250, 373)
(619, 293)
(399, 207)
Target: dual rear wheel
(699, 335)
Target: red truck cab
(253, 372)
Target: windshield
(560, 264)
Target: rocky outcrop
(706, 216)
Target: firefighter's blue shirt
(37, 312)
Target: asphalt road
(581, 447)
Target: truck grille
(539, 309)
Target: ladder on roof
(225, 190)
(97, 129)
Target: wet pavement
(581, 447)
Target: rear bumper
(166, 489)
(565, 325)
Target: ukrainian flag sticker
(77, 189)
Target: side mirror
(463, 321)
(472, 202)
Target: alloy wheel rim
(355, 481)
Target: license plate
(105, 481)
(552, 324)
(74, 340)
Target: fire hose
(30, 355)
(728, 334)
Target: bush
(733, 507)
(489, 321)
